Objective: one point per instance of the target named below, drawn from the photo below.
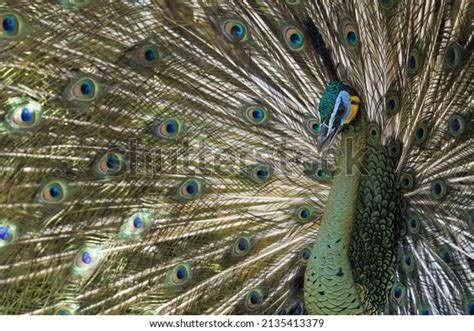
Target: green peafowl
(236, 157)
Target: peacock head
(338, 107)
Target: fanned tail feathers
(160, 157)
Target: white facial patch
(343, 98)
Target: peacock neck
(329, 282)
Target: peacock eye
(260, 173)
(8, 234)
(10, 25)
(456, 125)
(66, 309)
(53, 192)
(14, 26)
(241, 247)
(303, 213)
(110, 164)
(253, 299)
(407, 181)
(256, 115)
(398, 293)
(294, 38)
(453, 56)
(86, 260)
(147, 55)
(305, 254)
(190, 189)
(408, 263)
(313, 126)
(235, 30)
(169, 130)
(446, 254)
(136, 225)
(350, 34)
(439, 189)
(414, 62)
(181, 274)
(83, 90)
(25, 115)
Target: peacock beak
(326, 137)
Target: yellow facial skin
(355, 101)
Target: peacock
(236, 157)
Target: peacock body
(236, 157)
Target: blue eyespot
(262, 173)
(145, 56)
(235, 30)
(316, 127)
(241, 247)
(439, 189)
(26, 115)
(150, 55)
(171, 127)
(9, 24)
(351, 38)
(243, 244)
(86, 257)
(414, 62)
(113, 162)
(294, 38)
(397, 292)
(350, 34)
(191, 188)
(408, 260)
(257, 114)
(110, 164)
(83, 89)
(313, 126)
(181, 273)
(456, 125)
(4, 233)
(414, 225)
(254, 297)
(169, 130)
(87, 88)
(87, 260)
(137, 222)
(55, 191)
(304, 213)
(446, 257)
(136, 226)
(306, 253)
